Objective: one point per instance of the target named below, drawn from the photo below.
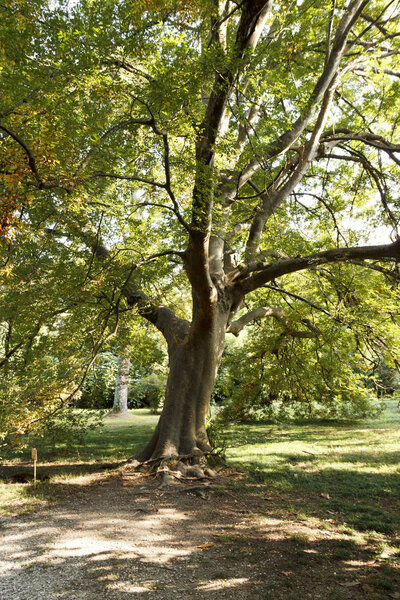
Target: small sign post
(34, 458)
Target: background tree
(120, 404)
(189, 154)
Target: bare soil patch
(120, 536)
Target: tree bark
(193, 367)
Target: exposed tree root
(182, 469)
(205, 458)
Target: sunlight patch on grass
(119, 439)
(18, 498)
(349, 472)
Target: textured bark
(193, 367)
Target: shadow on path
(124, 538)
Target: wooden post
(34, 457)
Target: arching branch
(277, 313)
(330, 71)
(276, 288)
(30, 156)
(271, 200)
(284, 267)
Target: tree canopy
(181, 161)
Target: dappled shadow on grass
(315, 431)
(100, 450)
(239, 435)
(352, 473)
(125, 540)
(360, 500)
(361, 459)
(16, 472)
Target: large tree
(175, 154)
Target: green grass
(346, 472)
(341, 476)
(119, 439)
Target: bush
(68, 427)
(150, 392)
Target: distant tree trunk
(121, 385)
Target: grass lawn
(347, 474)
(120, 438)
(324, 498)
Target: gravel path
(123, 538)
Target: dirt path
(120, 537)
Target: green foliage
(146, 352)
(31, 399)
(27, 416)
(303, 382)
(215, 432)
(384, 379)
(337, 372)
(114, 439)
(64, 431)
(98, 389)
(150, 391)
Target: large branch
(277, 313)
(167, 322)
(292, 265)
(253, 16)
(27, 150)
(337, 52)
(270, 201)
(41, 184)
(258, 313)
(366, 137)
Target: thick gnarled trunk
(193, 363)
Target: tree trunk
(121, 385)
(193, 362)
